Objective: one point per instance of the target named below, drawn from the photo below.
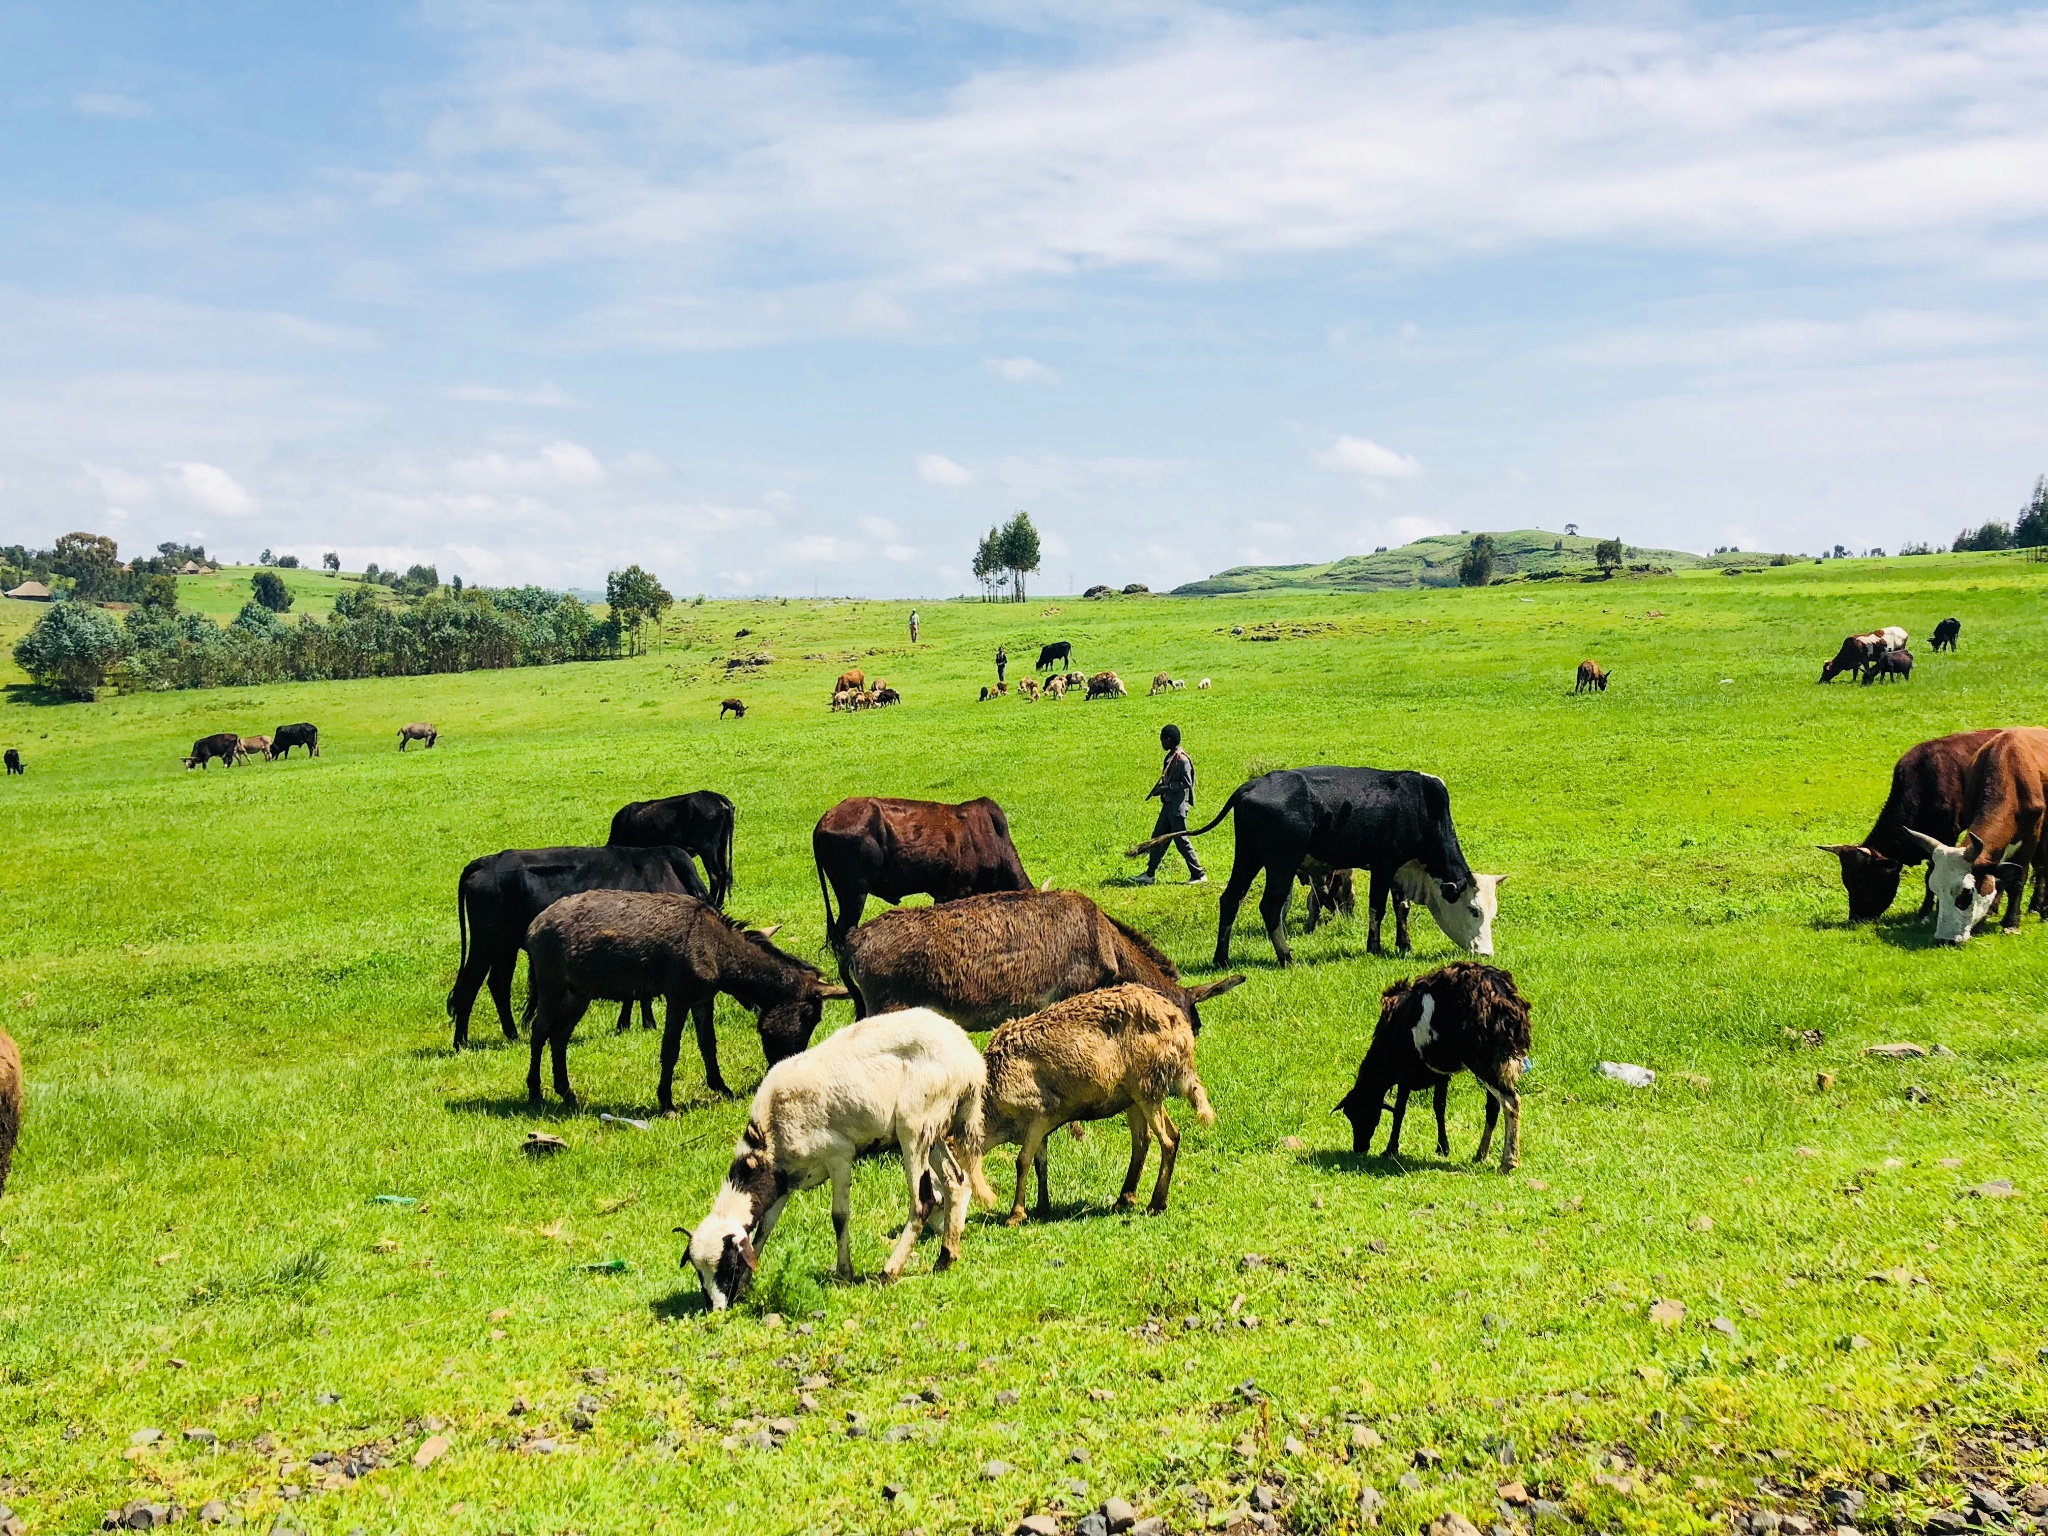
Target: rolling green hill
(1433, 562)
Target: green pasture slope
(224, 593)
(228, 990)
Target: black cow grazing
(1888, 666)
(225, 745)
(1397, 825)
(1466, 1017)
(868, 846)
(1591, 676)
(701, 822)
(623, 945)
(1928, 789)
(1058, 654)
(1945, 634)
(738, 708)
(500, 895)
(285, 737)
(14, 761)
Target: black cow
(1888, 666)
(14, 761)
(501, 894)
(285, 737)
(1054, 655)
(222, 744)
(1945, 634)
(700, 822)
(1397, 825)
(1927, 796)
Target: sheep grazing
(1105, 685)
(885, 696)
(1204, 683)
(10, 1104)
(1123, 1050)
(912, 1080)
(1027, 689)
(1056, 689)
(1465, 1017)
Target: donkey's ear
(766, 933)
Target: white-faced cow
(869, 846)
(1397, 825)
(1928, 788)
(2005, 807)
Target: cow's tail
(825, 894)
(1160, 842)
(461, 927)
(731, 878)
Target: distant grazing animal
(1056, 689)
(738, 709)
(223, 745)
(10, 1104)
(1945, 634)
(702, 822)
(1077, 680)
(1395, 824)
(1590, 677)
(285, 737)
(1180, 682)
(1161, 682)
(887, 696)
(14, 761)
(1002, 687)
(1329, 890)
(855, 680)
(864, 701)
(982, 960)
(252, 746)
(1059, 654)
(1027, 689)
(846, 699)
(1124, 1050)
(987, 693)
(623, 945)
(1888, 666)
(499, 895)
(2005, 811)
(1105, 685)
(419, 730)
(1928, 788)
(1465, 1017)
(1204, 683)
(869, 846)
(911, 1081)
(1858, 651)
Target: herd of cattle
(231, 749)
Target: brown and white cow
(1859, 651)
(2005, 806)
(870, 846)
(1928, 787)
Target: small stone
(806, 1403)
(202, 1437)
(1427, 1456)
(1263, 1500)
(1915, 1094)
(1247, 1390)
(760, 1440)
(1852, 1341)
(896, 1434)
(212, 1512)
(1723, 1326)
(1795, 1525)
(1411, 1480)
(1946, 1522)
(771, 1320)
(2034, 1499)
(1292, 1447)
(1038, 1525)
(1512, 1493)
(1101, 1395)
(782, 1429)
(1823, 1081)
(1151, 1525)
(1119, 1513)
(1902, 1050)
(1701, 1224)
(1091, 1525)
(1316, 1203)
(892, 1491)
(815, 1383)
(579, 1420)
(1451, 1523)
(431, 1450)
(328, 1399)
(1076, 1488)
(1669, 1312)
(1078, 1456)
(1547, 1509)
(1007, 1398)
(1993, 1189)
(991, 1470)
(1365, 1438)
(1847, 1503)
(519, 1405)
(145, 1437)
(932, 1395)
(1990, 1501)
(545, 1446)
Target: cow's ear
(2010, 874)
(747, 1252)
(766, 933)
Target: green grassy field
(228, 991)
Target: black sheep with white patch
(1466, 1017)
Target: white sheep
(911, 1079)
(1203, 683)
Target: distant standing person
(913, 626)
(1175, 792)
(1002, 662)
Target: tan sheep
(10, 1104)
(1123, 1050)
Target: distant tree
(988, 564)
(287, 562)
(1993, 535)
(91, 560)
(417, 581)
(70, 649)
(635, 597)
(1572, 529)
(455, 584)
(271, 592)
(331, 561)
(178, 554)
(160, 593)
(2031, 531)
(1018, 552)
(1607, 554)
(264, 558)
(1476, 568)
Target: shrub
(71, 649)
(1476, 568)
(271, 592)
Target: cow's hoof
(1156, 1208)
(1015, 1219)
(945, 1261)
(2015, 928)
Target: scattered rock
(1451, 1523)
(1038, 1525)
(596, 1375)
(771, 1320)
(431, 1450)
(212, 1512)
(1546, 1509)
(1823, 1081)
(1292, 1447)
(1007, 1398)
(815, 1383)
(1723, 1326)
(2034, 1499)
(1915, 1094)
(1852, 1341)
(543, 1144)
(760, 1440)
(1629, 1075)
(1669, 1312)
(1701, 1224)
(896, 1434)
(1946, 1522)
(1248, 1390)
(1077, 1488)
(1264, 1500)
(1365, 1438)
(1101, 1395)
(580, 1420)
(932, 1395)
(1512, 1493)
(1900, 1050)
(1151, 1525)
(991, 1470)
(1845, 1503)
(1989, 1501)
(1091, 1525)
(1078, 1456)
(1411, 1480)
(1119, 1514)
(1993, 1189)
(202, 1437)
(145, 1437)
(892, 1491)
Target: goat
(1591, 676)
(1027, 689)
(912, 1079)
(885, 696)
(1466, 1016)
(1121, 1050)
(1161, 682)
(738, 709)
(1077, 679)
(10, 1103)
(1105, 685)
(1888, 666)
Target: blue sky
(792, 297)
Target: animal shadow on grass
(445, 1050)
(31, 693)
(516, 1106)
(1379, 1166)
(1913, 932)
(682, 1302)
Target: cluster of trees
(88, 565)
(415, 581)
(1005, 556)
(1475, 566)
(636, 599)
(2029, 532)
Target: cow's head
(1466, 911)
(1193, 997)
(1871, 879)
(1965, 886)
(722, 1252)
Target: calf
(1121, 1051)
(1329, 890)
(1888, 666)
(1056, 689)
(14, 761)
(1161, 682)
(285, 737)
(738, 710)
(622, 945)
(1105, 685)
(1945, 634)
(2005, 807)
(10, 1104)
(419, 730)
(1464, 1017)
(870, 846)
(1859, 651)
(1058, 654)
(1590, 677)
(1928, 788)
(908, 1080)
(253, 746)
(983, 960)
(224, 745)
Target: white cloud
(556, 464)
(121, 484)
(878, 527)
(819, 549)
(1023, 370)
(900, 553)
(210, 487)
(494, 394)
(937, 469)
(1368, 460)
(109, 104)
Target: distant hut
(191, 568)
(31, 591)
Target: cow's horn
(769, 932)
(1202, 994)
(1931, 844)
(833, 994)
(1048, 884)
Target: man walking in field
(1175, 792)
(1002, 662)
(913, 626)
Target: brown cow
(1590, 677)
(869, 846)
(854, 680)
(986, 959)
(419, 730)
(2005, 809)
(10, 1104)
(1928, 786)
(225, 745)
(738, 709)
(253, 746)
